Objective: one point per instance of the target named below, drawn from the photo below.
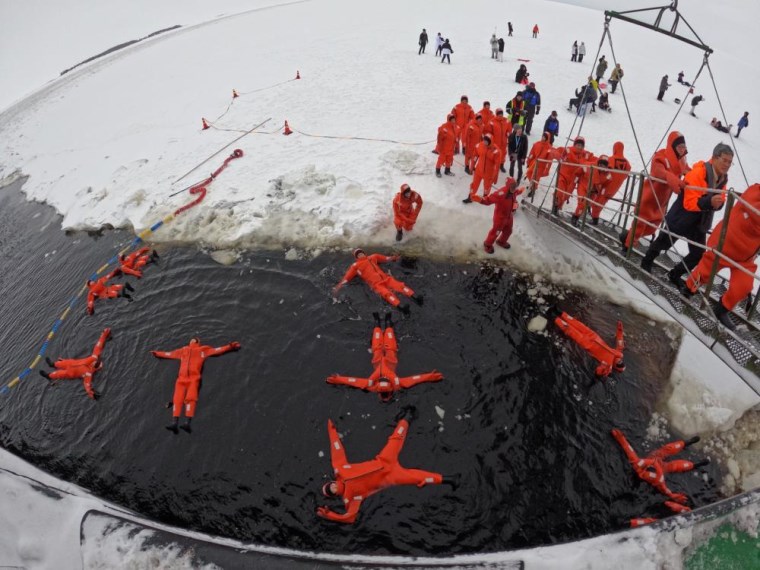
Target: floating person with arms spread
(84, 368)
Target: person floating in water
(677, 508)
(355, 482)
(133, 263)
(75, 368)
(609, 358)
(188, 384)
(100, 289)
(383, 379)
(653, 467)
(367, 267)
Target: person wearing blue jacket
(532, 100)
(551, 126)
(743, 122)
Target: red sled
(518, 59)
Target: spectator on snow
(581, 52)
(716, 124)
(438, 44)
(423, 41)
(681, 81)
(604, 102)
(663, 87)
(522, 74)
(694, 102)
(532, 100)
(601, 69)
(742, 124)
(517, 146)
(494, 47)
(551, 126)
(574, 51)
(446, 51)
(535, 30)
(509, 27)
(516, 109)
(501, 49)
(584, 96)
(615, 77)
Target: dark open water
(525, 423)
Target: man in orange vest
(406, 208)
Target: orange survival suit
(132, 264)
(384, 381)
(101, 290)
(591, 184)
(666, 165)
(488, 157)
(541, 150)
(84, 368)
(355, 482)
(472, 135)
(448, 135)
(500, 129)
(742, 243)
(406, 208)
(187, 386)
(609, 358)
(464, 114)
(367, 267)
(652, 468)
(617, 162)
(503, 200)
(571, 167)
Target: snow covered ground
(107, 142)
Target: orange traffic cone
(287, 130)
(298, 75)
(235, 94)
(205, 124)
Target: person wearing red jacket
(406, 208)
(569, 171)
(540, 151)
(503, 201)
(487, 115)
(535, 30)
(691, 215)
(191, 359)
(486, 167)
(740, 245)
(448, 135)
(500, 129)
(621, 167)
(609, 358)
(653, 468)
(100, 289)
(133, 263)
(668, 164)
(464, 114)
(473, 135)
(356, 482)
(75, 368)
(384, 381)
(591, 184)
(368, 268)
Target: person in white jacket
(494, 47)
(581, 51)
(438, 44)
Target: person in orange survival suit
(448, 134)
(668, 164)
(541, 150)
(384, 381)
(406, 208)
(652, 468)
(132, 264)
(500, 129)
(677, 508)
(100, 289)
(355, 482)
(591, 185)
(472, 135)
(487, 115)
(503, 200)
(570, 169)
(609, 358)
(84, 368)
(619, 163)
(464, 114)
(741, 244)
(188, 384)
(488, 159)
(367, 267)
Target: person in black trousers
(423, 41)
(517, 147)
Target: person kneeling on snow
(406, 207)
(503, 200)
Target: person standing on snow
(590, 185)
(472, 136)
(503, 201)
(448, 134)
(694, 102)
(743, 123)
(601, 69)
(446, 51)
(574, 51)
(464, 114)
(406, 208)
(494, 47)
(438, 44)
(621, 167)
(570, 169)
(581, 52)
(516, 109)
(487, 115)
(615, 77)
(539, 162)
(663, 87)
(535, 30)
(488, 159)
(501, 50)
(551, 126)
(532, 100)
(517, 147)
(500, 129)
(509, 28)
(423, 41)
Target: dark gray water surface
(525, 423)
